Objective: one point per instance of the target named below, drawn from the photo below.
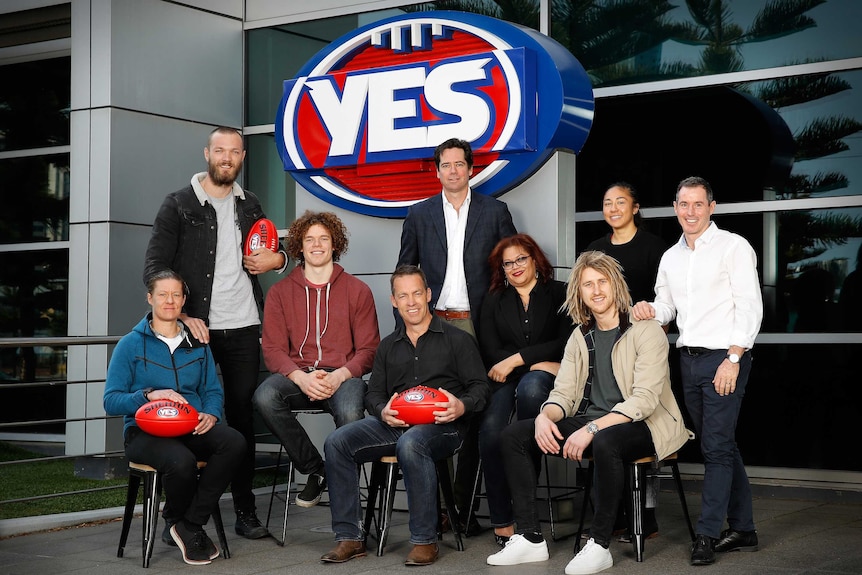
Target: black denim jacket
(184, 240)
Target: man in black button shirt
(427, 351)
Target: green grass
(21, 480)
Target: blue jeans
(278, 395)
(237, 353)
(524, 397)
(726, 490)
(418, 448)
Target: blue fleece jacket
(142, 360)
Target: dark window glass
(33, 303)
(36, 199)
(633, 41)
(276, 54)
(789, 388)
(37, 25)
(34, 104)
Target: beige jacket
(641, 369)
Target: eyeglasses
(520, 262)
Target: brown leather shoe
(422, 555)
(345, 551)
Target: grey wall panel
(151, 156)
(128, 295)
(232, 8)
(543, 207)
(176, 61)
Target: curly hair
(299, 227)
(608, 267)
(529, 245)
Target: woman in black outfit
(522, 336)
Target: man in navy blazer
(450, 236)
(424, 233)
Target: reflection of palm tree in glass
(849, 306)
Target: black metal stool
(384, 479)
(152, 497)
(640, 472)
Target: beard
(221, 177)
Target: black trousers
(237, 353)
(176, 459)
(611, 448)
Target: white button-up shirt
(712, 290)
(453, 294)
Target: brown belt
(449, 314)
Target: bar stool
(290, 471)
(384, 479)
(641, 472)
(152, 496)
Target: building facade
(105, 106)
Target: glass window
(632, 41)
(35, 104)
(33, 303)
(276, 54)
(37, 204)
(786, 391)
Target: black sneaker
(193, 543)
(310, 495)
(249, 526)
(210, 546)
(166, 533)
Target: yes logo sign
(358, 125)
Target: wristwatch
(592, 428)
(733, 357)
(147, 391)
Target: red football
(167, 418)
(417, 405)
(261, 235)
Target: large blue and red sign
(358, 125)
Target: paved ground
(814, 535)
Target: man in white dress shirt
(708, 281)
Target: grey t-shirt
(232, 304)
(605, 392)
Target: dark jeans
(524, 397)
(418, 448)
(726, 490)
(186, 496)
(237, 353)
(278, 395)
(611, 448)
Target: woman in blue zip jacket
(160, 360)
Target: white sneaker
(519, 550)
(591, 559)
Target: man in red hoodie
(319, 338)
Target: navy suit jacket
(423, 243)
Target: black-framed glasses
(520, 262)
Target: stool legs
(150, 507)
(444, 479)
(387, 500)
(152, 496)
(678, 479)
(636, 506)
(288, 481)
(131, 499)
